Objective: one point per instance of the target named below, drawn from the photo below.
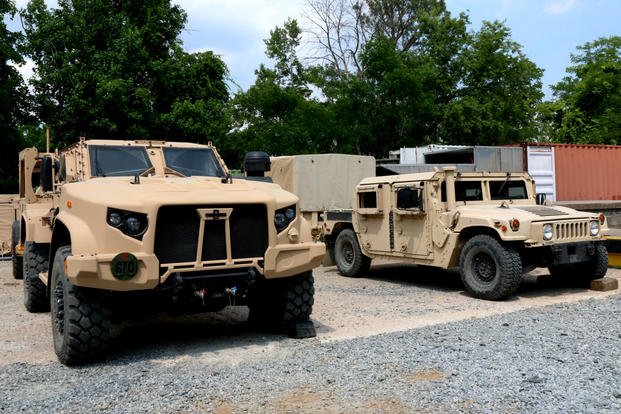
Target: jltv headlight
(283, 217)
(594, 228)
(547, 232)
(130, 223)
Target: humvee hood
(524, 212)
(120, 191)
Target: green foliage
(498, 93)
(420, 78)
(13, 102)
(588, 106)
(112, 69)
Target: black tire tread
(510, 265)
(18, 260)
(35, 261)
(87, 321)
(361, 263)
(278, 302)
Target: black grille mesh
(176, 234)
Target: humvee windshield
(118, 161)
(507, 190)
(193, 161)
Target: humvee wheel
(35, 261)
(595, 268)
(488, 269)
(347, 254)
(18, 261)
(80, 319)
(282, 302)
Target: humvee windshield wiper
(503, 184)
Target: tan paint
(80, 202)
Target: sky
(548, 30)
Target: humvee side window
(193, 161)
(118, 161)
(465, 191)
(367, 199)
(508, 190)
(409, 198)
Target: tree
(588, 104)
(13, 101)
(116, 69)
(276, 114)
(497, 96)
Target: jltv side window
(367, 199)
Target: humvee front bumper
(284, 260)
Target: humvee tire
(80, 318)
(488, 269)
(282, 302)
(18, 261)
(595, 268)
(35, 261)
(347, 254)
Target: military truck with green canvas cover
(487, 224)
(106, 226)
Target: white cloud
(560, 7)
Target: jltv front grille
(178, 230)
(571, 230)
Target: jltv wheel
(489, 270)
(18, 260)
(348, 256)
(80, 317)
(282, 302)
(35, 261)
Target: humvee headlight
(283, 217)
(547, 232)
(594, 228)
(130, 223)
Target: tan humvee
(106, 225)
(488, 224)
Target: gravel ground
(403, 339)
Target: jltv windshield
(193, 161)
(118, 161)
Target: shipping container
(586, 172)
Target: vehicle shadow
(166, 337)
(538, 283)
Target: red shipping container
(587, 172)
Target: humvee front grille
(571, 230)
(178, 228)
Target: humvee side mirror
(46, 177)
(541, 198)
(256, 163)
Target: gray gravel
(560, 358)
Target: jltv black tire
(350, 261)
(35, 261)
(80, 317)
(489, 270)
(18, 260)
(282, 302)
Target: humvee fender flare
(486, 226)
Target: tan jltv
(110, 227)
